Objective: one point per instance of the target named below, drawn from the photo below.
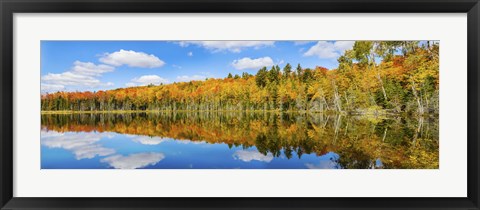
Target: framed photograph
(239, 105)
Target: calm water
(233, 140)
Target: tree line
(379, 76)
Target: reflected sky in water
(197, 140)
(94, 150)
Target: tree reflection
(360, 142)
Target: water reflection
(237, 140)
(133, 161)
(147, 139)
(84, 147)
(248, 156)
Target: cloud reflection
(147, 140)
(248, 156)
(133, 161)
(82, 146)
(154, 140)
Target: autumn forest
(382, 77)
(240, 105)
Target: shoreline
(378, 113)
(171, 111)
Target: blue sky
(103, 65)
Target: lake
(237, 140)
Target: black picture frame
(9, 7)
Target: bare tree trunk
(326, 121)
(325, 101)
(419, 102)
(337, 126)
(346, 100)
(426, 104)
(320, 91)
(419, 129)
(321, 106)
(384, 135)
(346, 128)
(337, 97)
(371, 98)
(381, 84)
(379, 78)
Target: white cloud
(183, 141)
(248, 63)
(328, 50)
(146, 80)
(82, 145)
(147, 140)
(296, 43)
(344, 45)
(132, 59)
(51, 88)
(90, 69)
(48, 134)
(190, 54)
(72, 79)
(82, 74)
(186, 78)
(248, 156)
(232, 46)
(133, 161)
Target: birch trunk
(419, 101)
